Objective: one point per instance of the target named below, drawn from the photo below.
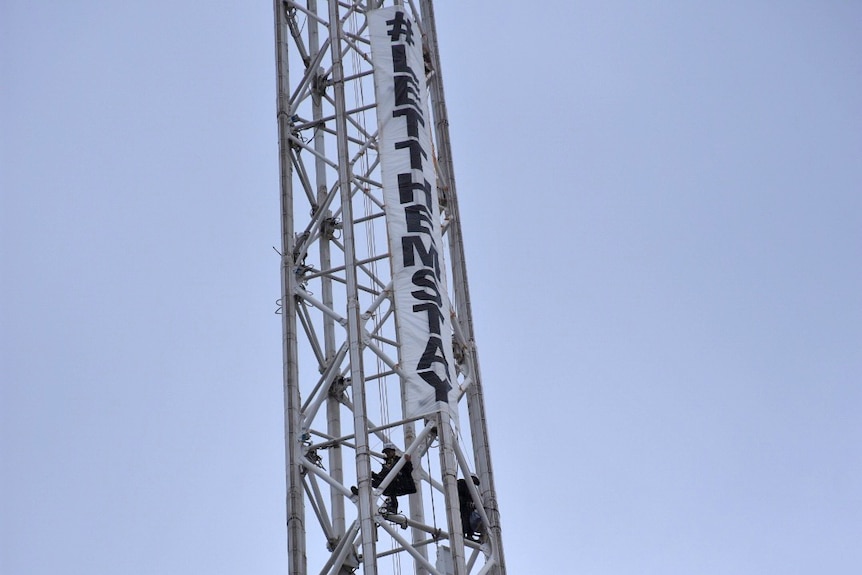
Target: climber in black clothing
(471, 521)
(402, 484)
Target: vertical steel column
(354, 326)
(333, 407)
(449, 468)
(461, 290)
(297, 564)
(417, 506)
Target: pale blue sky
(662, 207)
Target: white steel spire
(388, 459)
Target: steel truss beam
(341, 367)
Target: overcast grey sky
(662, 209)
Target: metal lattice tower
(346, 371)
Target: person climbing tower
(401, 484)
(471, 521)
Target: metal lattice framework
(343, 391)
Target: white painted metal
(341, 367)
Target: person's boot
(391, 505)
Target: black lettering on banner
(417, 216)
(406, 187)
(424, 278)
(411, 245)
(418, 245)
(399, 62)
(435, 316)
(434, 354)
(400, 26)
(414, 119)
(416, 152)
(405, 87)
(441, 386)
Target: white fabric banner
(422, 308)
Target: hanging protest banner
(422, 307)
